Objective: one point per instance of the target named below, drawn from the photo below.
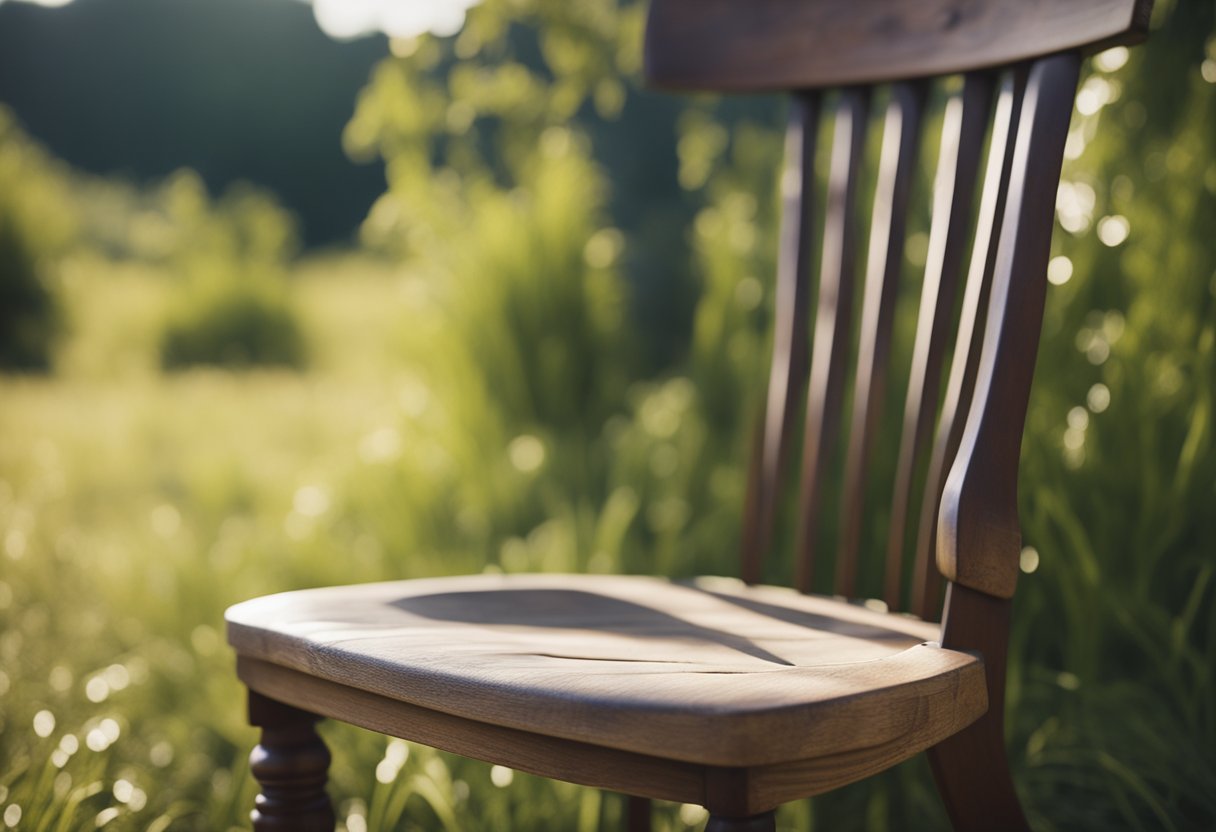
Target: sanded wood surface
(711, 672)
(747, 45)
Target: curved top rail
(755, 45)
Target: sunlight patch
(399, 19)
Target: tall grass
(479, 397)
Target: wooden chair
(727, 694)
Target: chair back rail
(752, 45)
(1013, 107)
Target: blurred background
(300, 294)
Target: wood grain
(926, 580)
(291, 765)
(962, 142)
(979, 540)
(884, 263)
(730, 790)
(787, 375)
(712, 672)
(833, 321)
(970, 767)
(751, 45)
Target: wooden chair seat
(710, 672)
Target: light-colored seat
(710, 671)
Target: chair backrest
(1020, 61)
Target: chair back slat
(926, 581)
(833, 319)
(964, 127)
(951, 488)
(787, 376)
(752, 45)
(978, 535)
(884, 262)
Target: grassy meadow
(136, 507)
(194, 411)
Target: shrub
(231, 254)
(236, 321)
(36, 221)
(28, 317)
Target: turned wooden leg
(766, 822)
(290, 765)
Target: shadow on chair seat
(710, 673)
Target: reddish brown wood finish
(750, 45)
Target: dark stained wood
(963, 129)
(637, 814)
(750, 45)
(833, 319)
(788, 374)
(290, 764)
(926, 580)
(979, 540)
(766, 822)
(970, 768)
(897, 166)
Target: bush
(36, 221)
(233, 322)
(28, 316)
(231, 254)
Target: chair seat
(708, 671)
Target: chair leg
(637, 814)
(290, 764)
(766, 822)
(973, 778)
(971, 769)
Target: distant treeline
(235, 89)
